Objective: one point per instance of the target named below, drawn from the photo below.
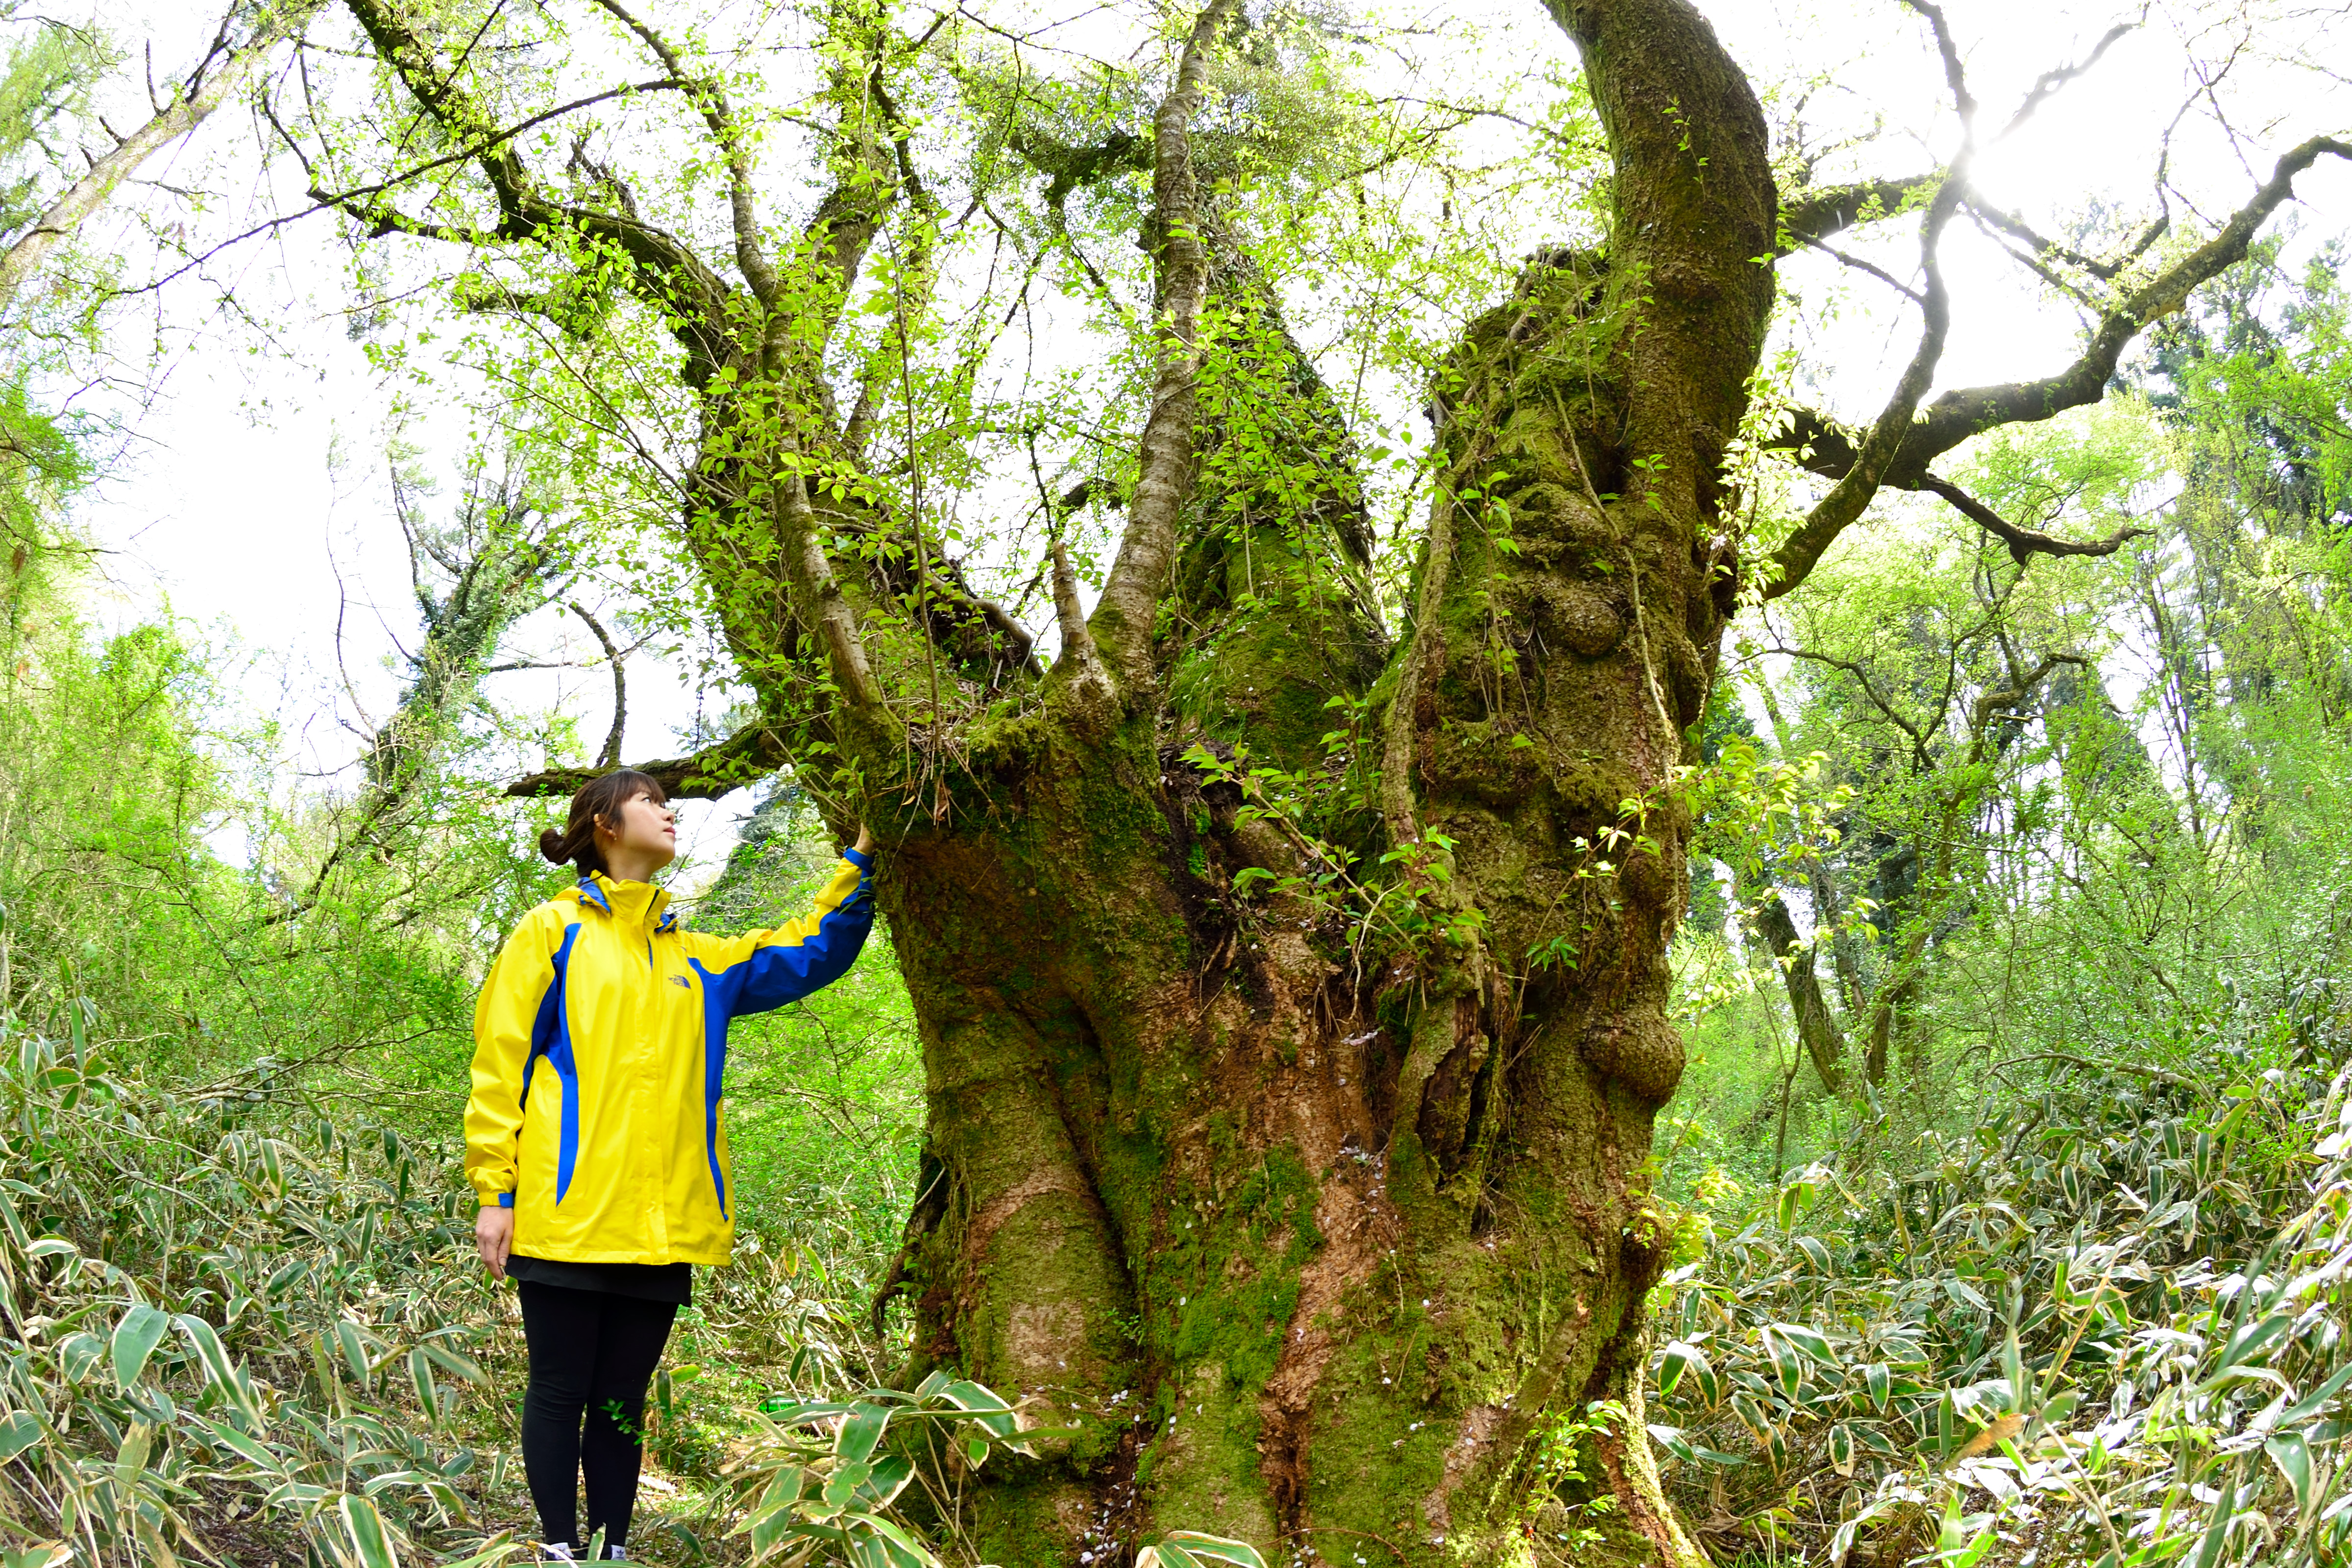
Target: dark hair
(599, 800)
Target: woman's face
(647, 836)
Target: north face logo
(681, 980)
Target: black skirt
(671, 1282)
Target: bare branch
(1859, 264)
(2047, 84)
(750, 255)
(2013, 224)
(1851, 495)
(611, 756)
(2023, 542)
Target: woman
(594, 1137)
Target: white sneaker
(556, 1551)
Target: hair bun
(550, 844)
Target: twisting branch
(2023, 542)
(662, 271)
(1851, 494)
(611, 755)
(1131, 597)
(2008, 223)
(2047, 84)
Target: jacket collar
(638, 903)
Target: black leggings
(591, 1354)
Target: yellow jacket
(616, 1151)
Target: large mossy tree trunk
(1292, 1163)
(1298, 1241)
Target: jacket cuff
(860, 859)
(495, 1200)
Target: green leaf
(861, 1431)
(2311, 1403)
(370, 1541)
(1879, 1382)
(355, 1348)
(1679, 1358)
(219, 1371)
(1808, 1340)
(1785, 1358)
(2217, 1527)
(2292, 1455)
(983, 1403)
(420, 1378)
(2252, 1339)
(842, 1488)
(1215, 1548)
(904, 1551)
(78, 1354)
(19, 1430)
(890, 1475)
(239, 1444)
(469, 1369)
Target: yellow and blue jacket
(600, 1061)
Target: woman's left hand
(864, 844)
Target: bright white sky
(252, 498)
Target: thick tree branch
(1124, 615)
(1809, 216)
(1079, 652)
(817, 597)
(664, 271)
(1817, 1027)
(2023, 542)
(745, 757)
(494, 141)
(1070, 168)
